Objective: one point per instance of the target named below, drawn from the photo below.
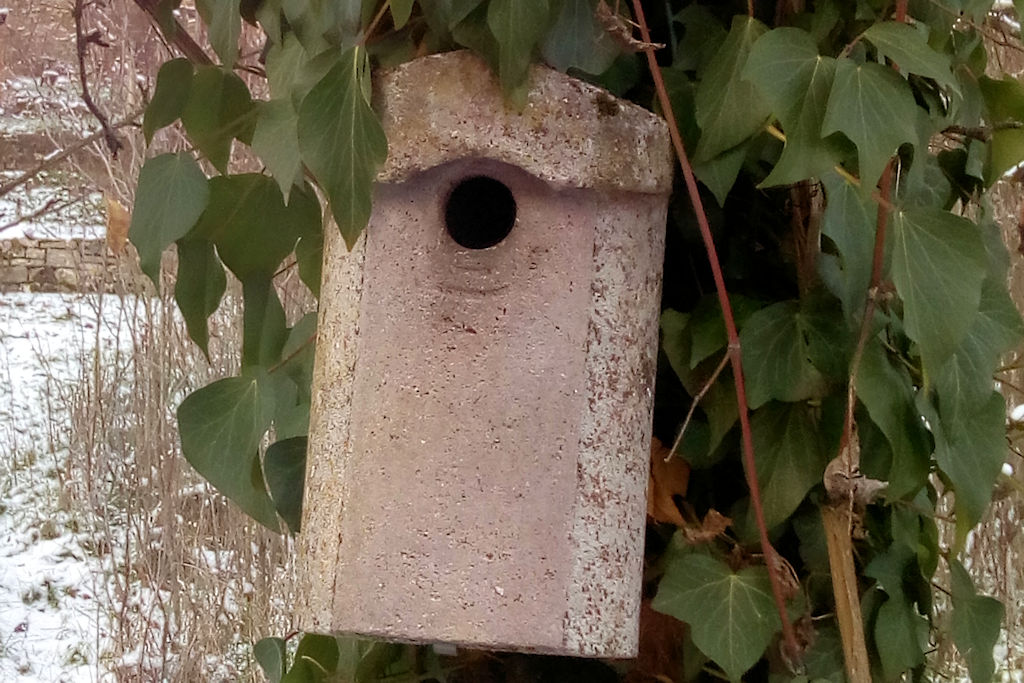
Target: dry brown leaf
(118, 220)
(713, 525)
(668, 479)
(621, 29)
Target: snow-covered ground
(51, 626)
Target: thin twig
(734, 351)
(693, 406)
(81, 45)
(55, 159)
(53, 204)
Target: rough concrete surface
(481, 417)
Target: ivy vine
(835, 356)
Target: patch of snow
(52, 627)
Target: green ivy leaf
(887, 392)
(272, 657)
(276, 141)
(908, 48)
(731, 615)
(171, 195)
(729, 108)
(247, 211)
(1006, 152)
(578, 40)
(298, 353)
(285, 468)
(707, 327)
(975, 625)
(719, 174)
(703, 35)
(775, 356)
(1004, 98)
(675, 341)
(791, 456)
(518, 26)
(198, 288)
(400, 12)
(796, 81)
(901, 636)
(938, 264)
(219, 109)
(263, 323)
(221, 426)
(321, 649)
(849, 221)
(309, 253)
(872, 106)
(965, 380)
(225, 26)
(173, 82)
(970, 451)
(342, 141)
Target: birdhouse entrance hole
(480, 212)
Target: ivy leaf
(901, 635)
(675, 342)
(849, 221)
(173, 82)
(899, 631)
(272, 657)
(965, 380)
(263, 323)
(221, 426)
(719, 174)
(872, 106)
(791, 456)
(888, 394)
(702, 37)
(1006, 152)
(708, 327)
(731, 615)
(400, 12)
(298, 353)
(219, 109)
(342, 141)
(1004, 98)
(225, 25)
(276, 141)
(775, 356)
(309, 253)
(285, 469)
(796, 81)
(518, 26)
(578, 40)
(198, 288)
(171, 195)
(970, 451)
(938, 264)
(975, 625)
(908, 48)
(729, 108)
(253, 229)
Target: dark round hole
(480, 212)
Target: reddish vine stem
(788, 634)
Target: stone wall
(76, 265)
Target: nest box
(482, 395)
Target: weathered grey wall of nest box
(481, 416)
